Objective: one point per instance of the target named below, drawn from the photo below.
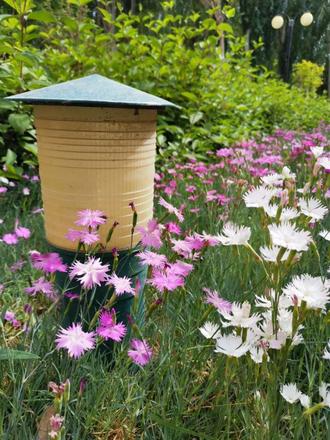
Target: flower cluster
(275, 319)
(292, 395)
(20, 232)
(90, 220)
(92, 273)
(254, 329)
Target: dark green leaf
(196, 117)
(31, 148)
(43, 16)
(10, 157)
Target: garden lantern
(306, 19)
(96, 145)
(278, 22)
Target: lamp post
(96, 145)
(328, 48)
(328, 41)
(306, 19)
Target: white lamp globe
(277, 22)
(306, 19)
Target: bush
(308, 76)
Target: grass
(187, 391)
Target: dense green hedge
(176, 57)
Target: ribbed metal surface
(99, 159)
(92, 90)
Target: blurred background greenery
(221, 61)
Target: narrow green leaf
(107, 17)
(79, 2)
(10, 354)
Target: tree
(219, 16)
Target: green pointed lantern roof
(92, 91)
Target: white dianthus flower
(271, 210)
(266, 333)
(287, 174)
(234, 235)
(326, 354)
(267, 302)
(259, 197)
(210, 330)
(317, 151)
(288, 236)
(240, 316)
(324, 393)
(231, 345)
(324, 162)
(312, 290)
(305, 400)
(271, 253)
(257, 354)
(273, 179)
(325, 234)
(286, 213)
(313, 208)
(290, 392)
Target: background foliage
(252, 19)
(178, 56)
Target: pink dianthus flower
(90, 273)
(150, 236)
(91, 218)
(140, 352)
(49, 263)
(75, 340)
(108, 328)
(121, 284)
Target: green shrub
(308, 76)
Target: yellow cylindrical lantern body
(96, 158)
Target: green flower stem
(313, 409)
(258, 257)
(278, 214)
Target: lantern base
(77, 306)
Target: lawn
(213, 368)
